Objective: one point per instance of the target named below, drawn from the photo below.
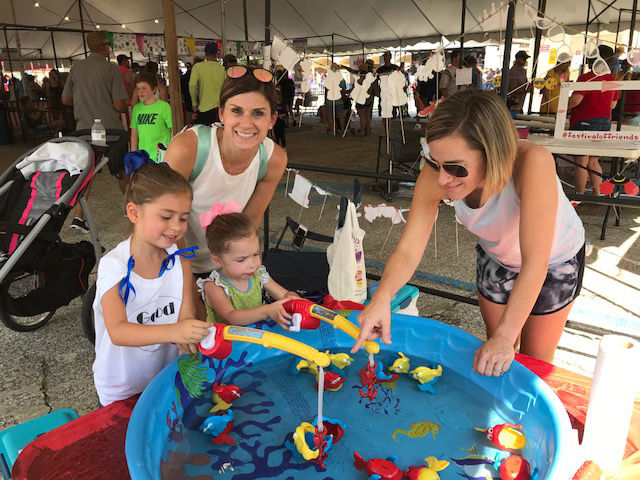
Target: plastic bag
(347, 274)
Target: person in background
(518, 82)
(385, 69)
(591, 111)
(31, 88)
(205, 85)
(229, 60)
(54, 93)
(95, 89)
(162, 93)
(364, 110)
(555, 77)
(476, 74)
(448, 85)
(287, 90)
(127, 75)
(281, 124)
(136, 68)
(150, 118)
(35, 121)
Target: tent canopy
(377, 23)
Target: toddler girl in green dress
(233, 292)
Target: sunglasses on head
(451, 168)
(239, 71)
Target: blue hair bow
(134, 160)
(167, 263)
(125, 287)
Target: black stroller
(40, 273)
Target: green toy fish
(418, 430)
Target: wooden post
(171, 42)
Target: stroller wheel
(23, 324)
(18, 319)
(86, 314)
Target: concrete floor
(51, 368)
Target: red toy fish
(386, 469)
(506, 436)
(227, 393)
(332, 381)
(224, 437)
(513, 468)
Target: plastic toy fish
(223, 396)
(427, 377)
(476, 467)
(430, 472)
(400, 365)
(381, 374)
(377, 468)
(219, 426)
(340, 360)
(302, 442)
(418, 430)
(513, 467)
(332, 381)
(505, 436)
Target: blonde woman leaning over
(530, 240)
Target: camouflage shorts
(561, 286)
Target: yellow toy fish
(426, 374)
(418, 430)
(400, 365)
(430, 471)
(340, 360)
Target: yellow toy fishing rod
(310, 313)
(218, 343)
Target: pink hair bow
(216, 209)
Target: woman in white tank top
(248, 102)
(531, 241)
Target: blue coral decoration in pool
(164, 440)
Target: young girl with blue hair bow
(139, 313)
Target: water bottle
(98, 133)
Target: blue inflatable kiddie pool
(406, 424)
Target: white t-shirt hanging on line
(120, 372)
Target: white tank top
(212, 185)
(497, 225)
(120, 372)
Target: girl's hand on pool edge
(494, 357)
(375, 322)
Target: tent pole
(508, 39)
(18, 48)
(462, 21)
(171, 43)
(267, 38)
(13, 83)
(246, 27)
(222, 22)
(542, 6)
(586, 34)
(53, 45)
(84, 43)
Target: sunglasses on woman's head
(239, 71)
(452, 169)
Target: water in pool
(275, 402)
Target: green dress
(250, 298)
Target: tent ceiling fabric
(290, 18)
